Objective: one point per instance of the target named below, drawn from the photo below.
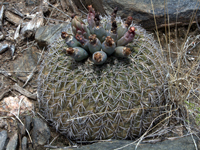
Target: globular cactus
(118, 98)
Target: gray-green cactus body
(118, 99)
(113, 35)
(100, 33)
(121, 30)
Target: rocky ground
(21, 52)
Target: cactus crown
(95, 37)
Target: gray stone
(21, 129)
(48, 34)
(13, 142)
(28, 121)
(28, 61)
(24, 143)
(142, 12)
(185, 143)
(4, 47)
(40, 132)
(29, 2)
(52, 1)
(3, 123)
(32, 2)
(13, 18)
(3, 138)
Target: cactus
(117, 99)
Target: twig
(29, 77)
(54, 139)
(24, 92)
(20, 105)
(4, 3)
(152, 141)
(24, 126)
(197, 23)
(83, 6)
(42, 116)
(39, 59)
(189, 128)
(50, 146)
(4, 93)
(58, 10)
(2, 37)
(6, 74)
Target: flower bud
(91, 16)
(127, 38)
(99, 57)
(121, 30)
(94, 44)
(113, 32)
(70, 40)
(122, 52)
(84, 42)
(79, 26)
(108, 46)
(77, 53)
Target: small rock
(32, 2)
(27, 63)
(13, 18)
(24, 143)
(3, 138)
(28, 121)
(52, 1)
(4, 47)
(40, 132)
(184, 143)
(13, 142)
(12, 104)
(29, 3)
(29, 29)
(48, 34)
(3, 123)
(142, 12)
(21, 129)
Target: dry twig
(24, 92)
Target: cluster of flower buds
(97, 39)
